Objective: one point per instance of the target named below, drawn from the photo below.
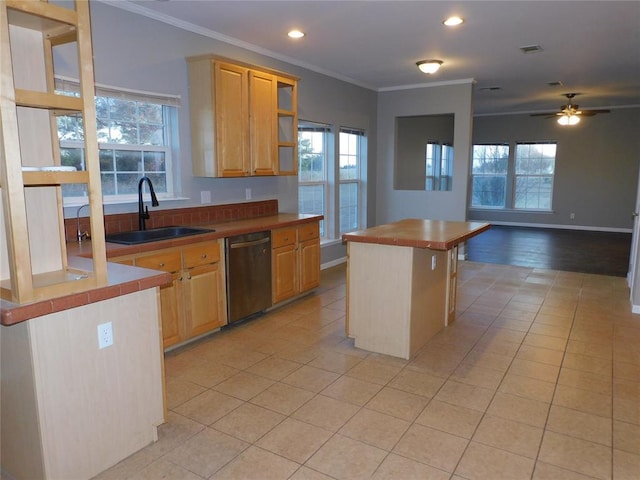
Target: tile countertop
(413, 232)
(124, 279)
(121, 280)
(221, 230)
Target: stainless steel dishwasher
(248, 262)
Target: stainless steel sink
(153, 235)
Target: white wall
(392, 205)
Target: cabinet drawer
(165, 261)
(282, 237)
(308, 231)
(201, 254)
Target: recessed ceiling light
(453, 21)
(295, 34)
(429, 66)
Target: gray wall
(412, 135)
(391, 204)
(596, 167)
(135, 52)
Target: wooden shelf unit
(32, 205)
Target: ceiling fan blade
(590, 113)
(549, 114)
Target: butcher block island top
(402, 282)
(414, 232)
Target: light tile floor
(538, 378)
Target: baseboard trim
(559, 227)
(333, 263)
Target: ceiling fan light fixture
(429, 66)
(568, 119)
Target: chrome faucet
(143, 213)
(79, 234)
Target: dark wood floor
(602, 253)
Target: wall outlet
(247, 193)
(105, 335)
(433, 262)
(572, 216)
(205, 196)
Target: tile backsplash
(204, 215)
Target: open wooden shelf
(54, 178)
(32, 201)
(48, 101)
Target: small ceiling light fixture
(453, 21)
(429, 66)
(568, 119)
(295, 34)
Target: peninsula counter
(402, 281)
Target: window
(330, 178)
(135, 136)
(489, 175)
(523, 181)
(352, 148)
(313, 148)
(439, 166)
(535, 166)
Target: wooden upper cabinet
(231, 114)
(262, 123)
(237, 118)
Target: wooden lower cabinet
(195, 302)
(309, 254)
(204, 292)
(295, 260)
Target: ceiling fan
(570, 113)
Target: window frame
(360, 157)
(511, 178)
(539, 176)
(311, 126)
(330, 226)
(440, 154)
(169, 104)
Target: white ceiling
(592, 47)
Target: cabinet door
(204, 302)
(170, 295)
(285, 269)
(262, 123)
(232, 120)
(170, 306)
(309, 264)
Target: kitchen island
(401, 282)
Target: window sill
(330, 241)
(509, 210)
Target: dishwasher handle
(249, 244)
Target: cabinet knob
(161, 264)
(203, 256)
